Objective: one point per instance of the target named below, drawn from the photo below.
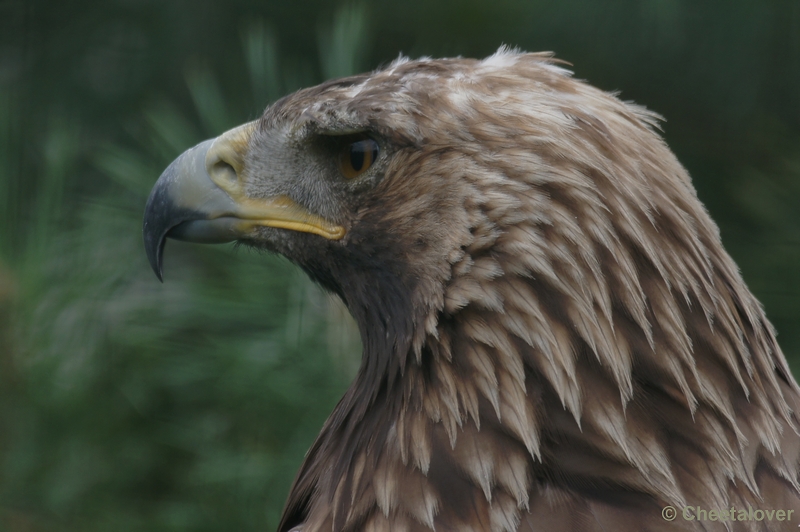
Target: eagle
(554, 338)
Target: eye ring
(357, 157)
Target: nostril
(225, 158)
(223, 172)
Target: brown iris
(357, 157)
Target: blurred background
(129, 405)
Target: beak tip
(159, 273)
(156, 263)
(154, 247)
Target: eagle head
(554, 337)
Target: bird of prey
(554, 338)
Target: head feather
(549, 317)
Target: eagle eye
(357, 157)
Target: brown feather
(554, 337)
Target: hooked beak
(200, 198)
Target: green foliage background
(128, 405)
